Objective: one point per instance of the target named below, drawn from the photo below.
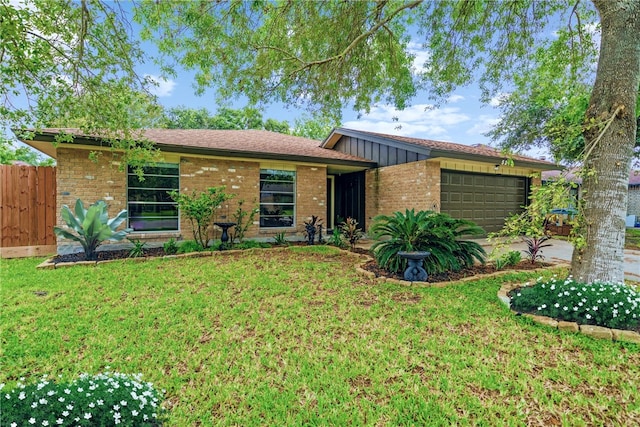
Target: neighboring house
(351, 174)
(633, 204)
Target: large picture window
(277, 198)
(148, 202)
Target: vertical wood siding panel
(23, 207)
(50, 206)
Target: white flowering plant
(105, 399)
(612, 305)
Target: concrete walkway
(560, 252)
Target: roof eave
(489, 159)
(99, 142)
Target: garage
(484, 199)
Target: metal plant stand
(225, 235)
(414, 271)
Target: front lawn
(295, 337)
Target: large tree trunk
(605, 184)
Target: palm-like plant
(430, 231)
(92, 226)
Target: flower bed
(590, 307)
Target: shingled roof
(230, 143)
(437, 148)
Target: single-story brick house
(350, 174)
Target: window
(148, 202)
(277, 198)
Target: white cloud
(398, 128)
(483, 124)
(455, 98)
(423, 120)
(160, 86)
(499, 99)
(421, 56)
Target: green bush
(509, 259)
(101, 400)
(138, 248)
(92, 226)
(430, 231)
(243, 219)
(190, 246)
(610, 305)
(200, 209)
(170, 247)
(337, 239)
(280, 239)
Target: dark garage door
(484, 199)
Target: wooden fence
(27, 210)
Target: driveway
(561, 251)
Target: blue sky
(462, 119)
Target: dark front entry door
(350, 197)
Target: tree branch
(351, 45)
(601, 134)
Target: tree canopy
(74, 63)
(245, 118)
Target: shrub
(92, 226)
(351, 232)
(138, 248)
(437, 233)
(534, 247)
(100, 400)
(190, 246)
(337, 239)
(200, 209)
(509, 259)
(244, 220)
(170, 247)
(311, 227)
(603, 304)
(280, 239)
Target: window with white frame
(148, 203)
(277, 198)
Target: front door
(350, 198)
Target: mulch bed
(451, 276)
(107, 255)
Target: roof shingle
(254, 142)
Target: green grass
(632, 238)
(295, 336)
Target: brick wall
(311, 194)
(79, 177)
(414, 185)
(239, 178)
